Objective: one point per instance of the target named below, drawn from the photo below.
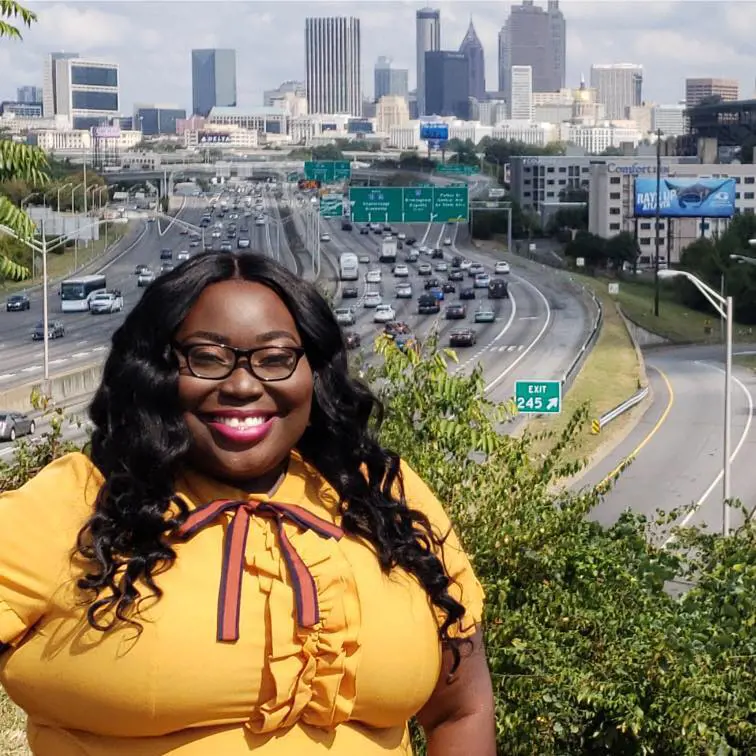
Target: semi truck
(388, 251)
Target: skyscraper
(428, 39)
(472, 49)
(521, 88)
(49, 81)
(213, 80)
(534, 37)
(389, 80)
(619, 86)
(87, 91)
(29, 94)
(701, 89)
(447, 84)
(333, 65)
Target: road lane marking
(5, 376)
(59, 361)
(77, 355)
(688, 517)
(634, 453)
(31, 368)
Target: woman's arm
(458, 718)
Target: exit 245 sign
(538, 397)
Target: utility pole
(657, 218)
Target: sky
(152, 41)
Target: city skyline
(152, 45)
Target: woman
(240, 567)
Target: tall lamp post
(723, 305)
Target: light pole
(43, 247)
(60, 189)
(76, 215)
(723, 305)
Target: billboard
(686, 198)
(437, 132)
(205, 137)
(107, 132)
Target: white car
(345, 316)
(260, 221)
(384, 314)
(183, 255)
(401, 271)
(373, 277)
(447, 242)
(105, 302)
(465, 264)
(484, 314)
(372, 299)
(501, 267)
(441, 267)
(403, 290)
(401, 236)
(424, 269)
(325, 237)
(364, 259)
(216, 234)
(146, 277)
(481, 281)
(424, 250)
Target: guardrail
(570, 373)
(600, 423)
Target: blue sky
(152, 40)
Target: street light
(60, 189)
(723, 305)
(43, 248)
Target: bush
(590, 652)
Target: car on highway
(194, 243)
(462, 337)
(346, 226)
(146, 277)
(403, 290)
(437, 254)
(423, 250)
(216, 234)
(364, 231)
(441, 267)
(166, 267)
(15, 424)
(481, 281)
(484, 314)
(345, 316)
(427, 304)
(455, 311)
(372, 299)
(184, 231)
(424, 269)
(412, 256)
(106, 302)
(410, 241)
(447, 241)
(448, 287)
(17, 303)
(183, 255)
(401, 235)
(364, 259)
(501, 267)
(260, 220)
(166, 254)
(467, 294)
(55, 330)
(243, 242)
(437, 292)
(456, 275)
(431, 282)
(475, 269)
(350, 292)
(373, 276)
(401, 271)
(498, 288)
(456, 261)
(378, 230)
(384, 313)
(352, 340)
(140, 269)
(225, 246)
(325, 237)
(465, 264)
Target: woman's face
(242, 428)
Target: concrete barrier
(82, 380)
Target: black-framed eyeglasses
(214, 362)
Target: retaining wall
(83, 380)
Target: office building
(669, 118)
(154, 120)
(333, 65)
(427, 39)
(472, 49)
(698, 90)
(290, 87)
(49, 88)
(619, 87)
(213, 80)
(534, 37)
(391, 111)
(86, 91)
(389, 80)
(29, 95)
(447, 84)
(21, 109)
(521, 88)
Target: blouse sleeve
(38, 527)
(465, 586)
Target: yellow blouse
(346, 685)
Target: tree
(622, 248)
(18, 162)
(591, 247)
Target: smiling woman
(251, 570)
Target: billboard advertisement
(107, 132)
(686, 198)
(205, 137)
(437, 132)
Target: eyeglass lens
(215, 361)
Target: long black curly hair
(140, 441)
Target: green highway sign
(409, 204)
(292, 177)
(327, 171)
(457, 168)
(538, 397)
(332, 205)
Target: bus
(75, 293)
(349, 267)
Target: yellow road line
(634, 453)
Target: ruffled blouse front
(346, 683)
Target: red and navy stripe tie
(235, 543)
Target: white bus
(75, 293)
(349, 267)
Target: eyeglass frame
(183, 350)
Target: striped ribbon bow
(235, 542)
